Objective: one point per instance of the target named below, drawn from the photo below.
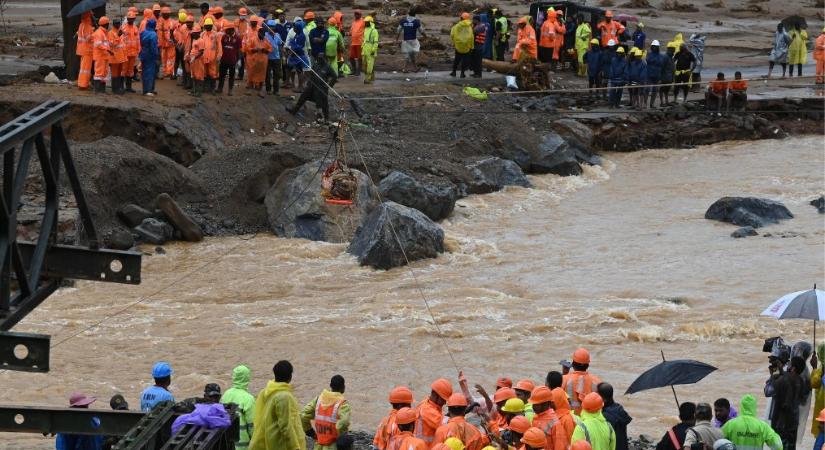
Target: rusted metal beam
(24, 351)
(48, 420)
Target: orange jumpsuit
(213, 52)
(385, 432)
(220, 24)
(182, 34)
(550, 425)
(610, 30)
(147, 14)
(131, 37)
(819, 57)
(547, 36)
(557, 45)
(197, 63)
(241, 25)
(118, 57)
(526, 43)
(100, 53)
(84, 50)
(406, 441)
(566, 421)
(467, 433)
(166, 29)
(256, 60)
(429, 419)
(577, 385)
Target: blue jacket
(655, 63)
(316, 47)
(637, 72)
(149, 42)
(618, 70)
(605, 57)
(78, 442)
(593, 59)
(275, 40)
(668, 69)
(639, 39)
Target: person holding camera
(703, 435)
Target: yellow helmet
(620, 50)
(182, 16)
(594, 41)
(208, 21)
(368, 19)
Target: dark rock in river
(748, 211)
(133, 215)
(375, 244)
(296, 209)
(555, 155)
(819, 204)
(744, 232)
(492, 174)
(154, 231)
(190, 231)
(437, 202)
(119, 239)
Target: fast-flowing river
(619, 260)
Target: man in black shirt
(685, 63)
(787, 394)
(674, 438)
(615, 415)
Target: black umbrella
(670, 373)
(791, 21)
(85, 5)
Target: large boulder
(819, 204)
(154, 231)
(580, 137)
(376, 242)
(748, 211)
(437, 202)
(555, 155)
(492, 174)
(295, 208)
(190, 231)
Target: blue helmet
(162, 369)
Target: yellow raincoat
(583, 36)
(462, 36)
(678, 40)
(816, 384)
(277, 420)
(327, 398)
(369, 50)
(798, 50)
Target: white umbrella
(799, 305)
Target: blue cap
(162, 370)
(271, 23)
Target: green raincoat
(798, 50)
(239, 395)
(594, 428)
(277, 420)
(816, 384)
(462, 36)
(327, 398)
(583, 36)
(749, 433)
(335, 43)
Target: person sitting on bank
(738, 93)
(717, 93)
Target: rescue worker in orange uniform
(578, 383)
(118, 58)
(326, 419)
(195, 58)
(166, 41)
(212, 53)
(546, 420)
(182, 33)
(819, 57)
(458, 427)
(430, 411)
(404, 439)
(610, 29)
(257, 51)
(131, 38)
(497, 420)
(220, 20)
(526, 41)
(84, 49)
(523, 390)
(534, 439)
(147, 14)
(547, 37)
(561, 404)
(101, 52)
(156, 11)
(241, 29)
(518, 426)
(400, 397)
(560, 29)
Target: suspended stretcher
(339, 185)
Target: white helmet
(655, 42)
(611, 43)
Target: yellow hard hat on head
(368, 19)
(182, 16)
(208, 21)
(454, 443)
(620, 50)
(594, 41)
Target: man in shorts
(409, 27)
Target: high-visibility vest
(503, 21)
(579, 383)
(481, 37)
(326, 419)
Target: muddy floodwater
(619, 260)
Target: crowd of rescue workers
(209, 53)
(571, 410)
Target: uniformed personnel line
(566, 90)
(417, 283)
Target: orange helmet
(520, 424)
(405, 416)
(465, 16)
(443, 388)
(219, 10)
(243, 12)
(541, 394)
(525, 385)
(534, 437)
(196, 28)
(581, 356)
(504, 394)
(166, 10)
(131, 15)
(608, 14)
(401, 394)
(581, 445)
(103, 21)
(309, 15)
(229, 25)
(147, 13)
(254, 18)
(457, 399)
(156, 7)
(190, 18)
(592, 402)
(504, 382)
(332, 21)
